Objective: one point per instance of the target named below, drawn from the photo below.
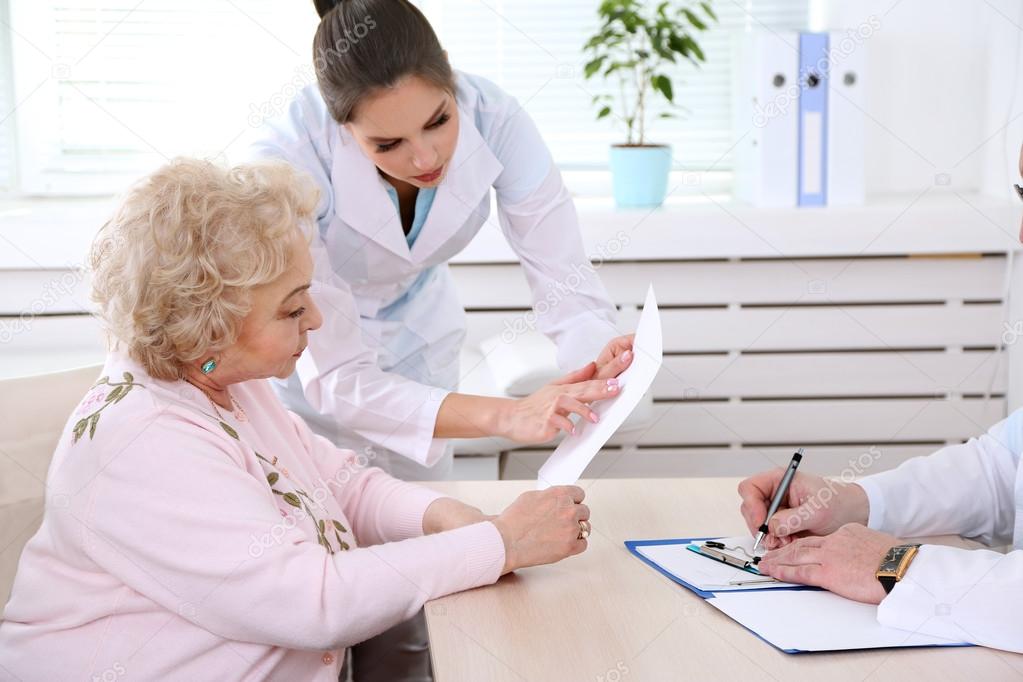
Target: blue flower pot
(639, 175)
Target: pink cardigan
(177, 545)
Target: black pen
(779, 495)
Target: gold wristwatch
(894, 565)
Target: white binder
(846, 104)
(765, 117)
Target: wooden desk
(606, 616)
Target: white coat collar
(362, 202)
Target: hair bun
(324, 6)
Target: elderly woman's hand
(538, 417)
(542, 526)
(844, 562)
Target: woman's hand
(542, 527)
(844, 562)
(447, 513)
(538, 417)
(814, 506)
(616, 357)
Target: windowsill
(55, 233)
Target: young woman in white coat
(406, 152)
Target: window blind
(129, 84)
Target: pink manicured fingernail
(611, 388)
(626, 356)
(612, 382)
(593, 417)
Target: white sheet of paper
(567, 462)
(815, 620)
(704, 573)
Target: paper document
(704, 573)
(567, 462)
(816, 620)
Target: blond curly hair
(174, 267)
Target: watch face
(891, 561)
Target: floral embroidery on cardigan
(298, 499)
(118, 390)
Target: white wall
(941, 75)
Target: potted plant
(637, 43)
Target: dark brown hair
(364, 45)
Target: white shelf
(934, 223)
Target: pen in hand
(779, 495)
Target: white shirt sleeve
(963, 595)
(961, 489)
(540, 223)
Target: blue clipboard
(632, 546)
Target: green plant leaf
(708, 10)
(694, 20)
(604, 112)
(695, 49)
(231, 432)
(272, 477)
(678, 44)
(292, 499)
(662, 84)
(593, 66)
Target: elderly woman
(194, 528)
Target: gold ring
(584, 530)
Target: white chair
(33, 412)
